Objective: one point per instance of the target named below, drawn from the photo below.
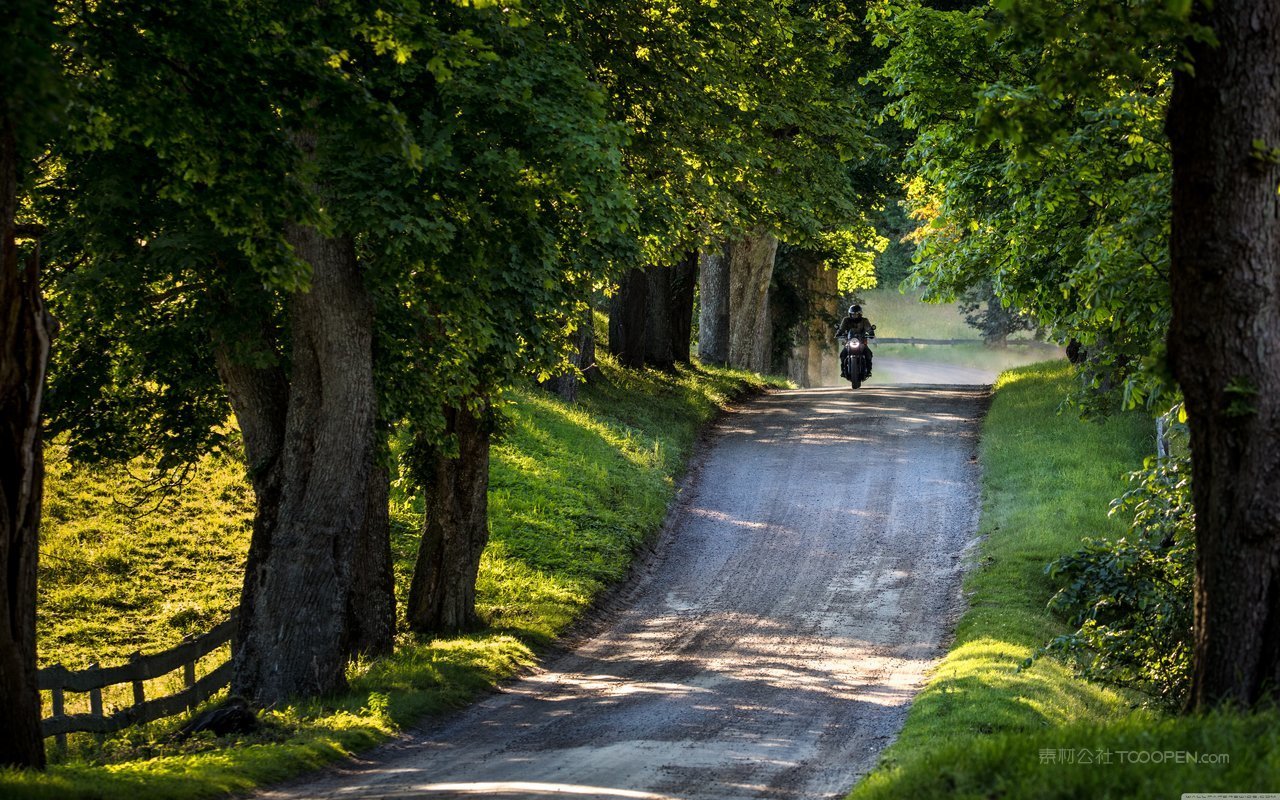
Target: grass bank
(575, 490)
(985, 727)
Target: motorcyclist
(856, 325)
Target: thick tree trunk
(659, 350)
(442, 595)
(713, 314)
(824, 358)
(628, 312)
(1224, 342)
(812, 348)
(798, 358)
(582, 361)
(371, 603)
(25, 332)
(293, 630)
(684, 284)
(750, 272)
(259, 398)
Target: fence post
(95, 697)
(58, 708)
(189, 674)
(1162, 437)
(139, 693)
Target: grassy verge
(575, 490)
(985, 727)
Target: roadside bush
(1131, 599)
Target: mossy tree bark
(25, 333)
(683, 280)
(750, 272)
(628, 314)
(442, 595)
(310, 440)
(1224, 341)
(713, 314)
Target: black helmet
(855, 309)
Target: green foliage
(462, 148)
(894, 264)
(31, 86)
(1040, 166)
(1131, 598)
(739, 115)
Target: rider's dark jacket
(859, 326)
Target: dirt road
(808, 580)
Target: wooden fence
(58, 680)
(1011, 342)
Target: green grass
(574, 491)
(985, 727)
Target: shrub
(1131, 599)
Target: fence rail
(1011, 342)
(58, 680)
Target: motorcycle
(853, 357)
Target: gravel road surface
(808, 578)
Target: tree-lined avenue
(807, 579)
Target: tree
(28, 98)
(206, 217)
(750, 273)
(713, 315)
(521, 212)
(983, 309)
(742, 124)
(1038, 164)
(1132, 235)
(1224, 125)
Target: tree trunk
(371, 603)
(798, 358)
(812, 338)
(713, 315)
(628, 312)
(311, 512)
(587, 347)
(260, 400)
(442, 595)
(684, 284)
(582, 362)
(659, 351)
(750, 271)
(26, 330)
(1224, 342)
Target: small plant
(1131, 599)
